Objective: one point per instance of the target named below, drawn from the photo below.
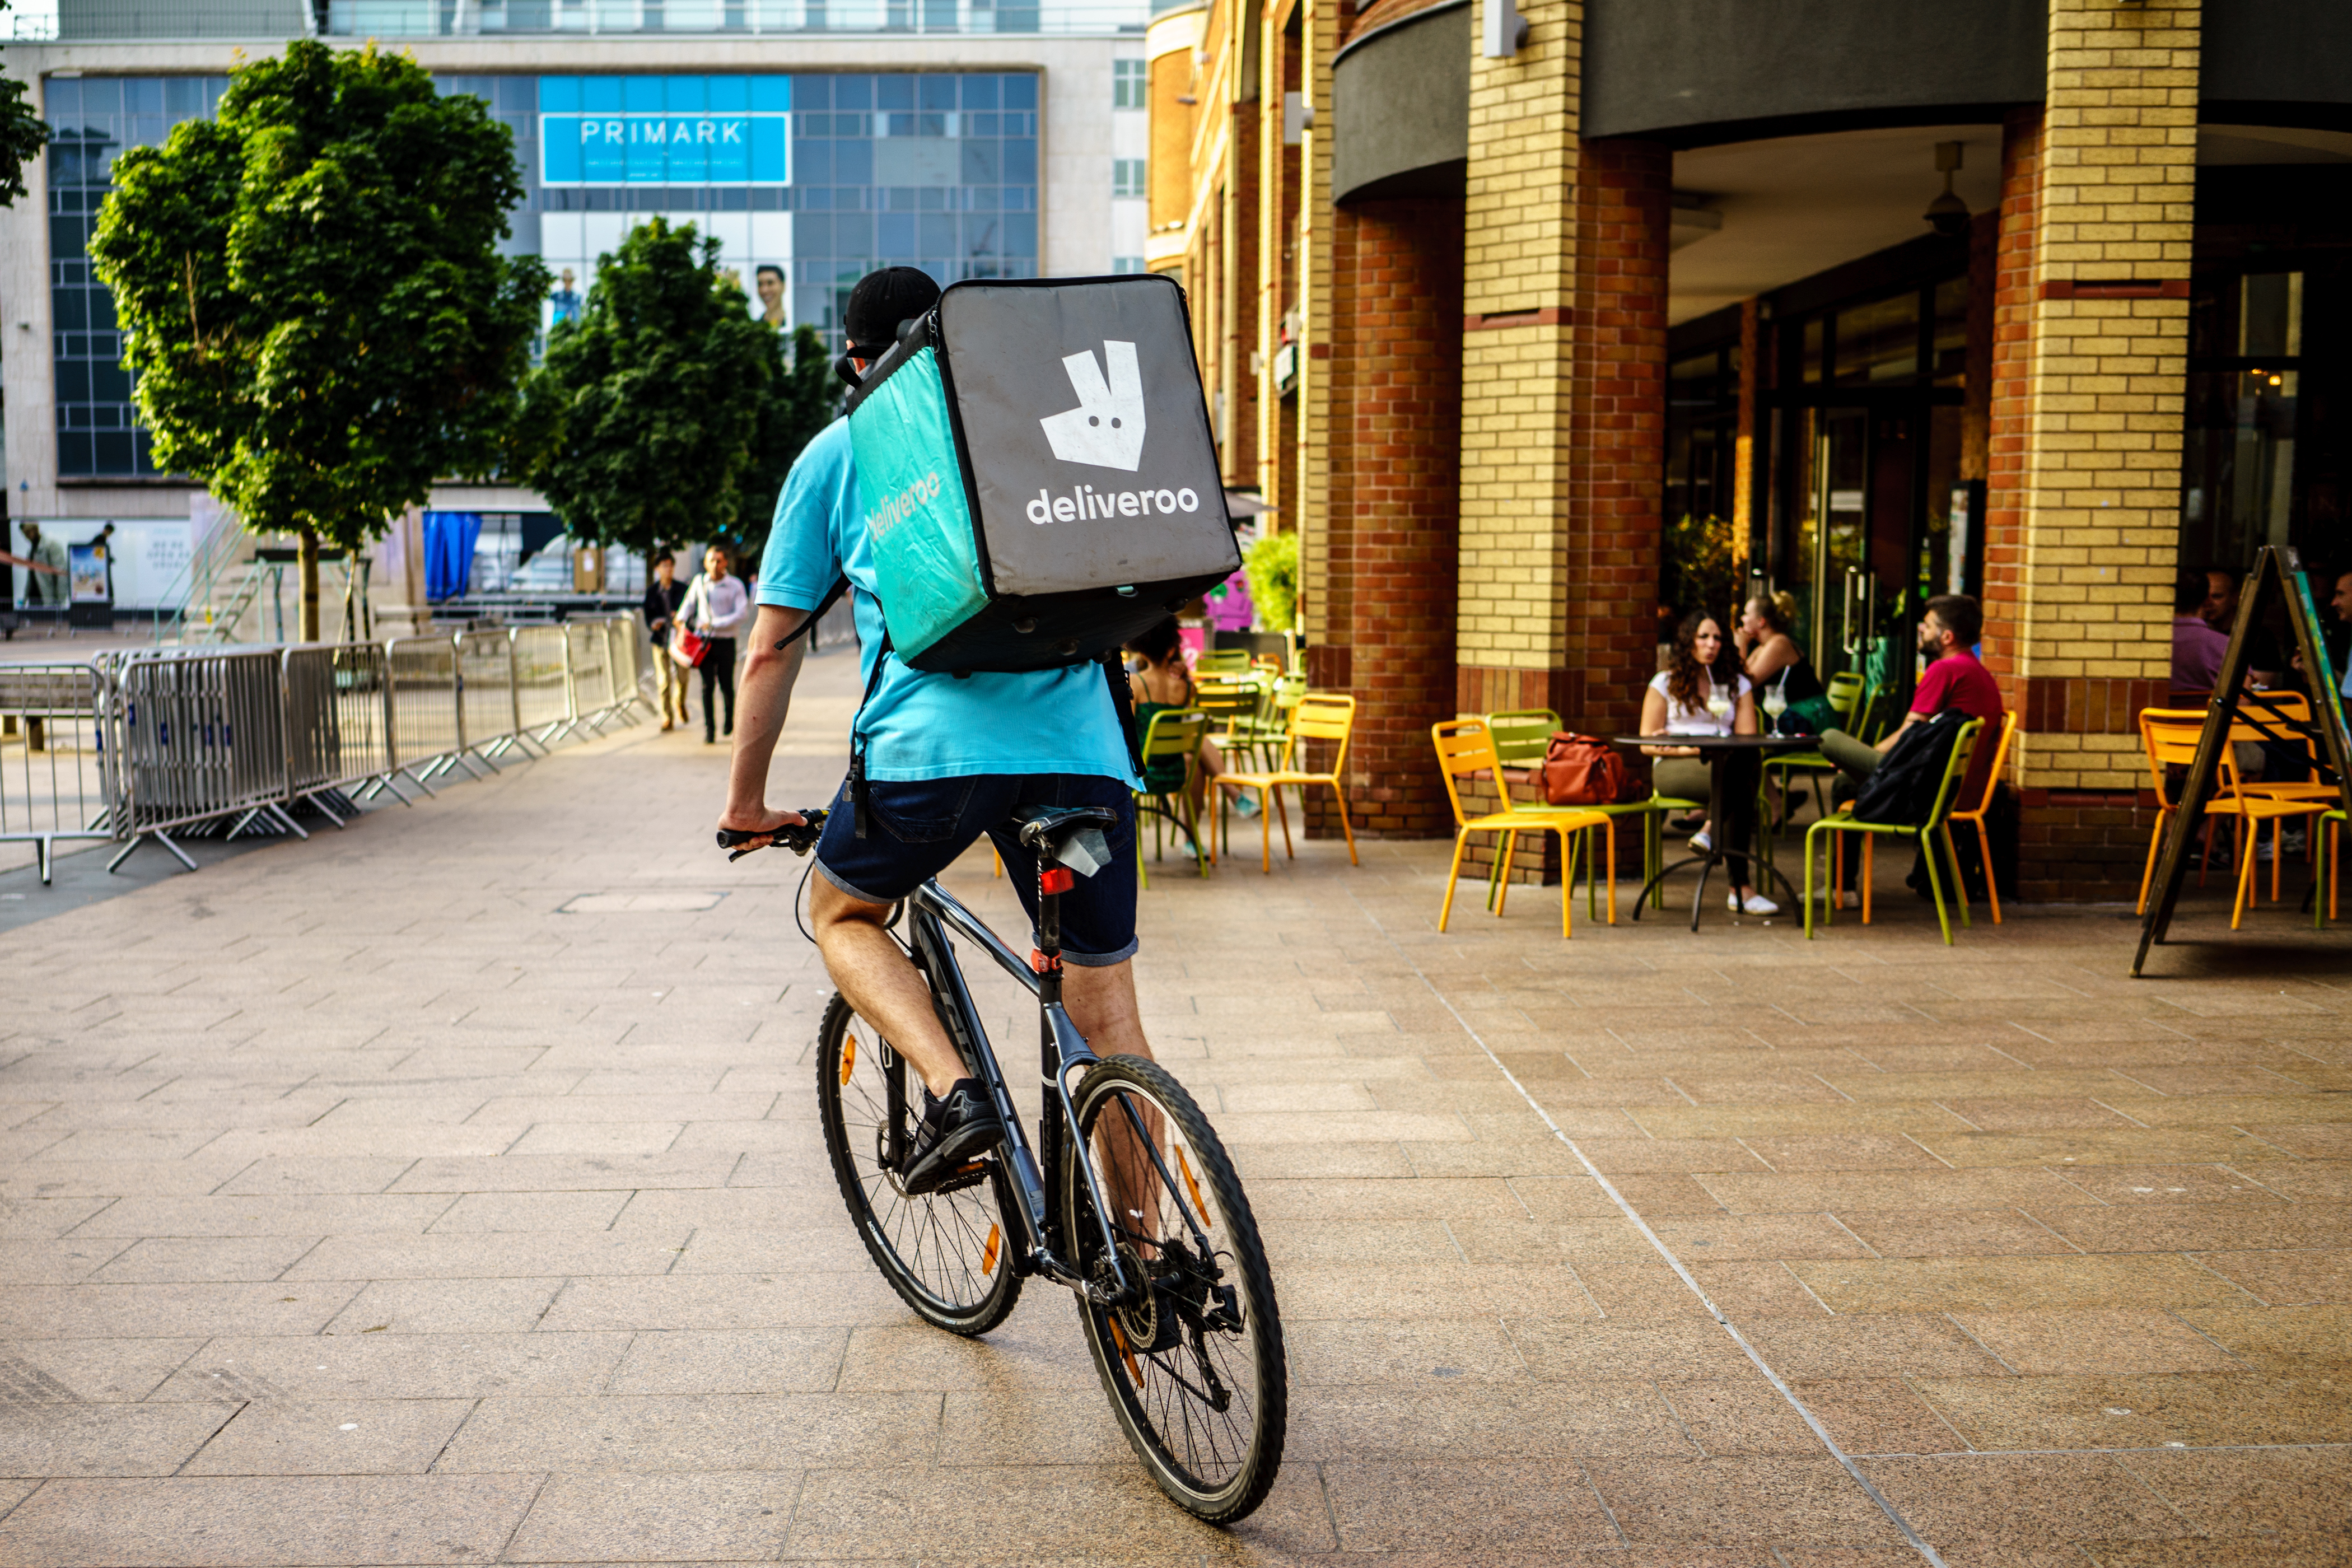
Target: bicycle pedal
(970, 1175)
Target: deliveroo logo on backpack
(1106, 429)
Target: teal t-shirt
(919, 725)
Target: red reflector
(1058, 879)
(1041, 964)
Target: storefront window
(2238, 464)
(1878, 342)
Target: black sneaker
(954, 1132)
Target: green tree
(671, 413)
(312, 297)
(801, 400)
(22, 137)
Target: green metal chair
(1221, 661)
(1521, 738)
(1937, 828)
(1848, 697)
(1261, 734)
(1172, 761)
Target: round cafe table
(1717, 749)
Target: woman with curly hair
(1689, 696)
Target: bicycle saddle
(1046, 828)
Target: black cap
(883, 298)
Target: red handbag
(1580, 770)
(688, 648)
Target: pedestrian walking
(717, 608)
(664, 594)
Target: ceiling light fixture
(1948, 214)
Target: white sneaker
(1758, 904)
(1700, 842)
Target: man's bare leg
(1101, 1002)
(882, 983)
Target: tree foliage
(22, 136)
(312, 297)
(671, 413)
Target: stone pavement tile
(210, 1257)
(2287, 1279)
(1432, 1290)
(624, 1517)
(2096, 1342)
(729, 1301)
(2308, 1124)
(407, 1143)
(1053, 1512)
(25, 1260)
(608, 1137)
(2202, 1228)
(397, 1367)
(1451, 1423)
(1872, 1190)
(2133, 1186)
(62, 1372)
(767, 1360)
(58, 1180)
(25, 1145)
(494, 1212)
(2302, 1181)
(239, 1523)
(1338, 1353)
(1877, 1415)
(1557, 1351)
(2272, 1492)
(1035, 1349)
(331, 1437)
(285, 1215)
(1750, 1292)
(1373, 1240)
(2012, 1284)
(1430, 1198)
(445, 1307)
(2024, 1500)
(2317, 1551)
(2278, 1339)
(278, 1175)
(139, 1311)
(713, 1251)
(1648, 1156)
(111, 1144)
(694, 1432)
(512, 1255)
(1451, 1508)
(104, 1439)
(1016, 1425)
(1952, 1233)
(1773, 1236)
(1894, 1344)
(1791, 1152)
(201, 1115)
(1738, 1416)
(2038, 1115)
(1729, 1502)
(1536, 1241)
(543, 1108)
(566, 1172)
(773, 1207)
(1839, 1119)
(1578, 1196)
(2123, 1146)
(2198, 1409)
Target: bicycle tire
(948, 1255)
(1169, 1412)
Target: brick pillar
(2090, 365)
(1391, 510)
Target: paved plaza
(449, 1191)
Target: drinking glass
(1776, 703)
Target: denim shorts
(920, 829)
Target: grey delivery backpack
(1037, 474)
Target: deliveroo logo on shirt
(1106, 429)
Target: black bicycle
(1126, 1199)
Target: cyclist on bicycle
(947, 758)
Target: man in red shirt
(1947, 637)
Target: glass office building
(808, 181)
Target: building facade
(815, 141)
(1543, 323)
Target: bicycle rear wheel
(1196, 1373)
(949, 1254)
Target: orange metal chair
(1466, 747)
(2170, 737)
(1975, 814)
(1317, 718)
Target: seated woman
(1769, 653)
(1164, 684)
(1683, 699)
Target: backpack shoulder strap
(832, 596)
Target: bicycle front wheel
(949, 1254)
(1195, 1368)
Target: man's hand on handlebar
(796, 830)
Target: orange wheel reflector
(1125, 1354)
(988, 1253)
(848, 1058)
(1208, 1220)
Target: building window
(1127, 83)
(1126, 264)
(1127, 177)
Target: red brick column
(1394, 504)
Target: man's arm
(1896, 733)
(763, 695)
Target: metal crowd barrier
(143, 743)
(56, 768)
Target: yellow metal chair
(2170, 737)
(1317, 717)
(1171, 766)
(1466, 747)
(1924, 834)
(1974, 815)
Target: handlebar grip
(799, 838)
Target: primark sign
(664, 131)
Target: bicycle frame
(932, 914)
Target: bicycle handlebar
(800, 839)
